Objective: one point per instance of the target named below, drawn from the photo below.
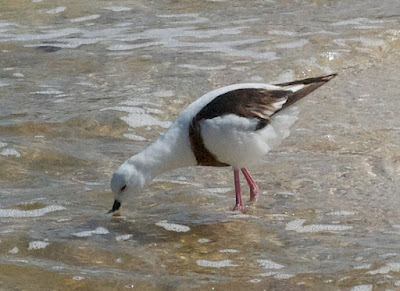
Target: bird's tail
(299, 91)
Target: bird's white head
(127, 180)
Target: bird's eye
(123, 188)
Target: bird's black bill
(115, 206)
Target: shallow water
(83, 87)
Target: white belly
(233, 140)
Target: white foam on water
(361, 267)
(14, 250)
(70, 43)
(123, 237)
(10, 152)
(4, 83)
(282, 32)
(61, 220)
(86, 233)
(138, 117)
(219, 190)
(268, 274)
(297, 225)
(362, 288)
(37, 244)
(52, 34)
(331, 55)
(173, 226)
(286, 193)
(2, 145)
(29, 213)
(370, 42)
(202, 68)
(390, 267)
(48, 92)
(388, 255)
(139, 102)
(78, 278)
(7, 231)
(178, 182)
(134, 137)
(127, 47)
(241, 215)
(350, 22)
(369, 26)
(85, 18)
(215, 264)
(268, 264)
(174, 38)
(255, 281)
(283, 276)
(203, 240)
(187, 15)
(57, 10)
(100, 230)
(144, 119)
(165, 93)
(342, 213)
(228, 251)
(257, 79)
(117, 8)
(18, 75)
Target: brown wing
(250, 103)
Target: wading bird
(232, 126)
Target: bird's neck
(171, 151)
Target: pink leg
(252, 184)
(239, 201)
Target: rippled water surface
(84, 85)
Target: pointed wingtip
(309, 81)
(309, 85)
(329, 77)
(325, 78)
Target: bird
(233, 126)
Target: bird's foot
(253, 191)
(253, 196)
(240, 208)
(253, 199)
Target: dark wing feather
(310, 85)
(250, 103)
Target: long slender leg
(239, 201)
(252, 184)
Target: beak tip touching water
(115, 207)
